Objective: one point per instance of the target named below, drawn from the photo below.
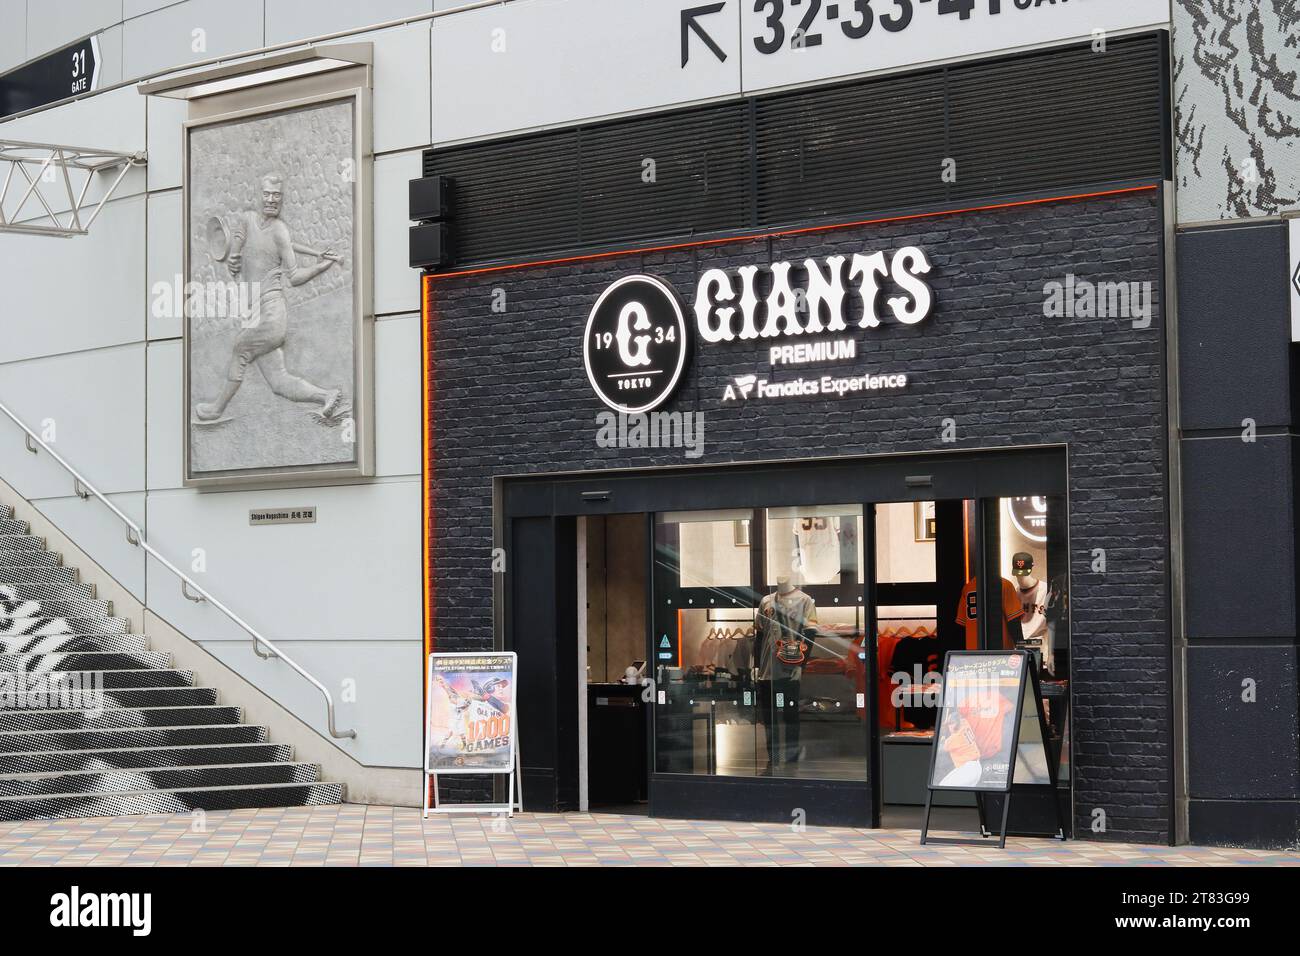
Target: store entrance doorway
(925, 553)
(752, 595)
(613, 703)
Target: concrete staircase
(92, 723)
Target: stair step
(167, 778)
(30, 574)
(34, 663)
(139, 758)
(29, 559)
(80, 607)
(74, 643)
(133, 697)
(172, 801)
(52, 626)
(31, 741)
(13, 526)
(125, 718)
(21, 542)
(46, 592)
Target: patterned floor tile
(352, 835)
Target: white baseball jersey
(1034, 624)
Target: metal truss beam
(39, 171)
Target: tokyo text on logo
(636, 344)
(1029, 515)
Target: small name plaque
(299, 515)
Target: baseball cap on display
(1022, 563)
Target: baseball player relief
(272, 309)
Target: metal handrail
(136, 537)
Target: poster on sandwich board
(470, 725)
(979, 722)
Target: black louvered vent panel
(1056, 119)
(701, 175)
(855, 147)
(513, 197)
(585, 186)
(1045, 121)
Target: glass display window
(767, 656)
(759, 633)
(707, 549)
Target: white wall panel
(165, 468)
(397, 395)
(387, 711)
(164, 264)
(101, 534)
(110, 57)
(299, 19)
(166, 38)
(136, 8)
(72, 294)
(397, 285)
(401, 90)
(52, 25)
(13, 38)
(112, 120)
(95, 401)
(166, 127)
(565, 60)
(353, 574)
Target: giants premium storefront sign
(636, 344)
(932, 384)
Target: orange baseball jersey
(988, 730)
(961, 746)
(968, 613)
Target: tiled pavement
(352, 835)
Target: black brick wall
(510, 396)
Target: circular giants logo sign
(636, 344)
(1029, 515)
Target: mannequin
(784, 622)
(1033, 601)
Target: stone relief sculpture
(271, 212)
(257, 249)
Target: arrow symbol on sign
(689, 23)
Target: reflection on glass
(711, 548)
(911, 657)
(760, 680)
(1031, 546)
(815, 545)
(905, 541)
